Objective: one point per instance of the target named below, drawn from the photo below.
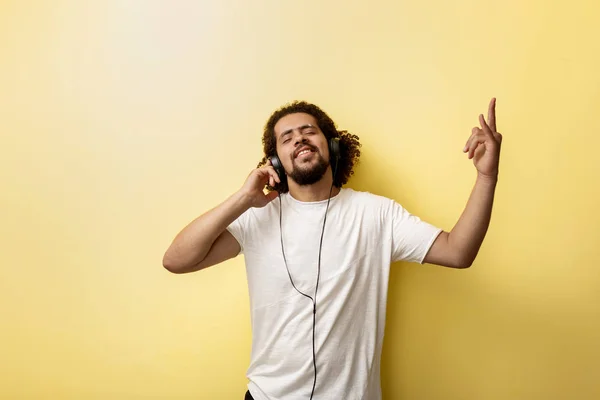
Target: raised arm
(459, 247)
(205, 241)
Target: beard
(309, 174)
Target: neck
(316, 192)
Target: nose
(299, 138)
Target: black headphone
(334, 155)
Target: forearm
(193, 243)
(468, 233)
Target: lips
(301, 149)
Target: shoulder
(365, 202)
(365, 197)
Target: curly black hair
(349, 143)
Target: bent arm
(205, 241)
(459, 247)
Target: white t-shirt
(364, 234)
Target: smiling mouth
(303, 152)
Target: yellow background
(121, 121)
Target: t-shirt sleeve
(238, 229)
(411, 237)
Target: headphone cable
(314, 301)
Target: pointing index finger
(492, 114)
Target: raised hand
(253, 188)
(484, 144)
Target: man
(318, 258)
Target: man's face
(302, 148)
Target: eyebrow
(306, 126)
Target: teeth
(302, 152)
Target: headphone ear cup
(334, 148)
(334, 154)
(278, 166)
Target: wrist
(487, 179)
(242, 200)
